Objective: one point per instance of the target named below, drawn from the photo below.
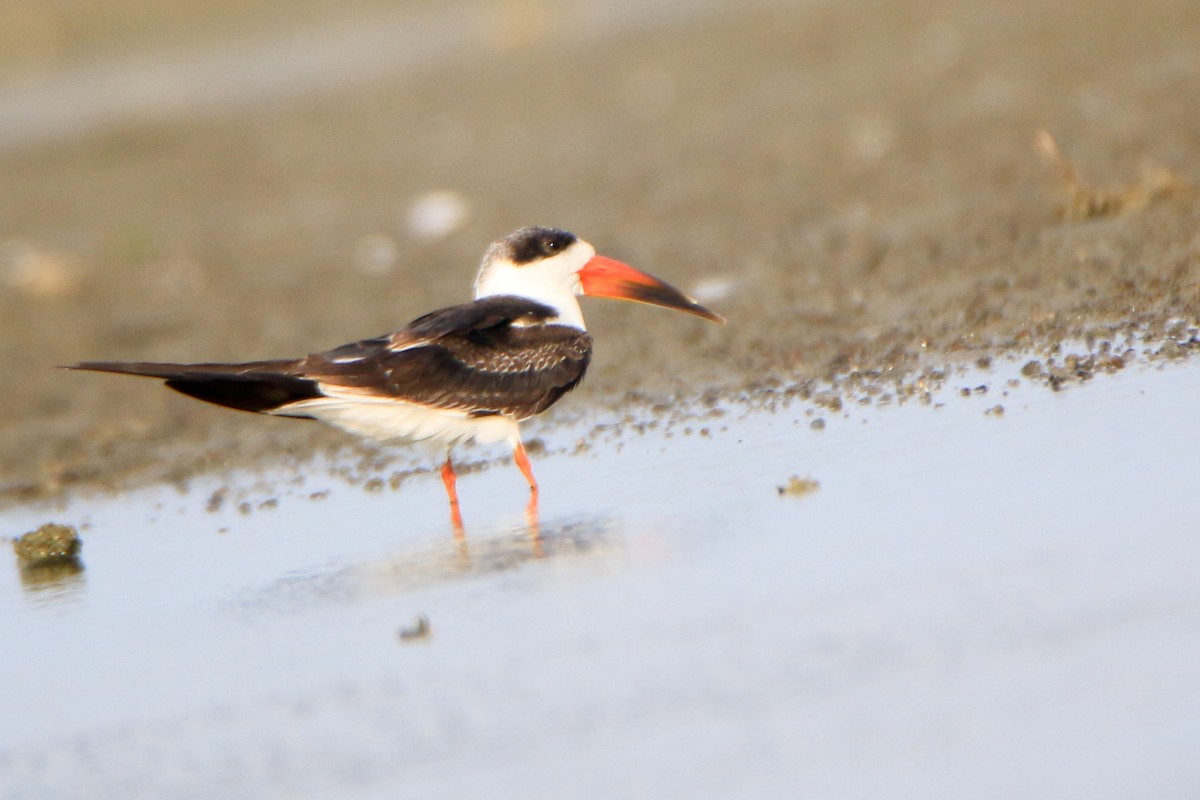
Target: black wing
(499, 355)
(254, 386)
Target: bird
(472, 371)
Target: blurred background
(855, 184)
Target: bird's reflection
(532, 537)
(442, 559)
(533, 520)
(532, 516)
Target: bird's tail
(259, 386)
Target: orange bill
(606, 277)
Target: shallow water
(969, 603)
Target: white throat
(553, 282)
(560, 298)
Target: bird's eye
(550, 246)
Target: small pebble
(48, 544)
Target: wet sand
(859, 189)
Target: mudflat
(869, 192)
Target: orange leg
(522, 459)
(531, 511)
(451, 480)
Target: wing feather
(498, 355)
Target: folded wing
(500, 355)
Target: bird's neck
(561, 299)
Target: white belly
(387, 420)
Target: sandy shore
(861, 190)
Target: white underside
(389, 420)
